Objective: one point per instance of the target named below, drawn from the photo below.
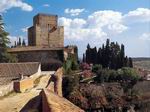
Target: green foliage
(67, 66)
(96, 67)
(70, 83)
(128, 74)
(106, 75)
(4, 41)
(23, 43)
(125, 74)
(70, 64)
(111, 55)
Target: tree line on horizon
(19, 42)
(111, 55)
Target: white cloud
(12, 39)
(8, 4)
(15, 38)
(138, 15)
(101, 24)
(24, 29)
(74, 12)
(145, 36)
(76, 29)
(95, 27)
(46, 5)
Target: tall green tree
(23, 43)
(111, 55)
(4, 41)
(19, 42)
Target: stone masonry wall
(46, 32)
(39, 56)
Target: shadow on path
(33, 105)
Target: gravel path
(15, 102)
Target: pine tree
(4, 41)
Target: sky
(86, 21)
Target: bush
(70, 83)
(87, 74)
(69, 65)
(96, 67)
(85, 66)
(128, 74)
(106, 75)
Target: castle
(45, 32)
(45, 42)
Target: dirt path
(15, 102)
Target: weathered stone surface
(22, 85)
(39, 56)
(51, 102)
(58, 81)
(46, 32)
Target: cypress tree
(19, 42)
(130, 63)
(15, 44)
(122, 55)
(107, 53)
(83, 60)
(88, 54)
(23, 43)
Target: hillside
(142, 63)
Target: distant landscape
(142, 63)
(74, 55)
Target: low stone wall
(51, 102)
(22, 85)
(5, 89)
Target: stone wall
(45, 31)
(23, 85)
(31, 35)
(51, 102)
(39, 56)
(5, 89)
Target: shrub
(96, 67)
(87, 74)
(85, 66)
(128, 74)
(70, 83)
(70, 64)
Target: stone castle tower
(45, 31)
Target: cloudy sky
(86, 21)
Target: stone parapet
(22, 85)
(33, 48)
(51, 102)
